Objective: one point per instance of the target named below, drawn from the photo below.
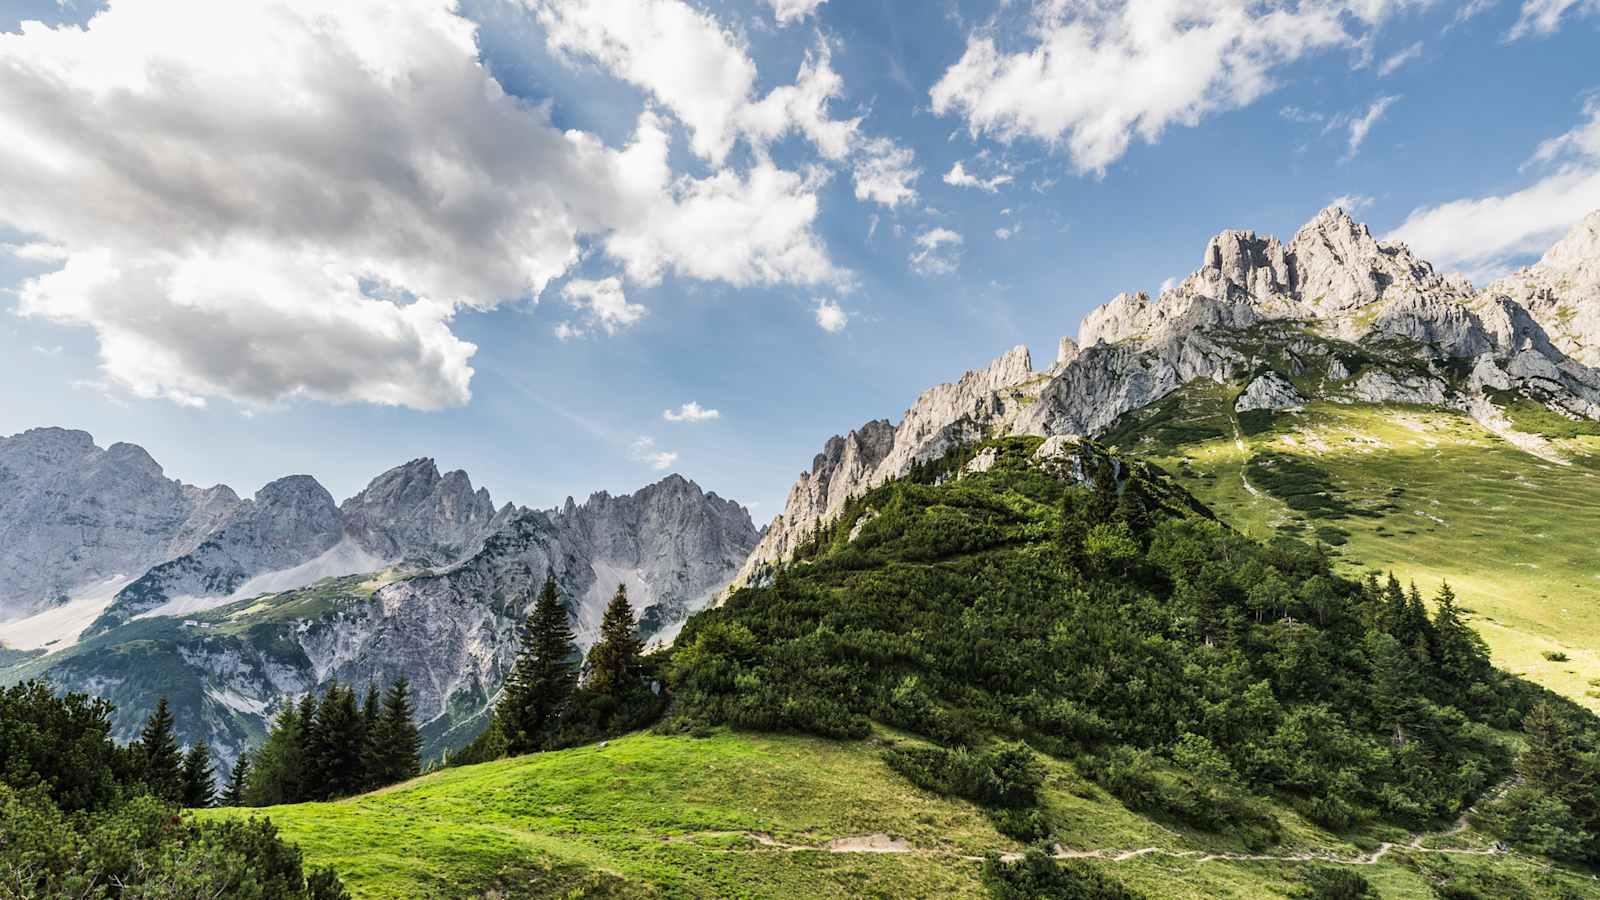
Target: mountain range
(238, 605)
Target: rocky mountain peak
(413, 512)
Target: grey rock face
(1562, 291)
(73, 516)
(413, 512)
(290, 521)
(1269, 391)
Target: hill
(748, 815)
(1025, 643)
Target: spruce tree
(543, 678)
(163, 764)
(233, 794)
(277, 771)
(338, 743)
(371, 717)
(397, 741)
(614, 662)
(199, 778)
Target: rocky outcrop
(1269, 390)
(74, 517)
(1562, 292)
(1364, 320)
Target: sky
(574, 245)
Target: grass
(675, 816)
(1426, 493)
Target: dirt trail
(883, 843)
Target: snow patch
(58, 628)
(237, 701)
(344, 558)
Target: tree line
(331, 746)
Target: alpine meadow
(1278, 578)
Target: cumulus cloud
(1393, 63)
(960, 177)
(690, 412)
(1543, 17)
(884, 172)
(701, 72)
(938, 252)
(644, 450)
(283, 198)
(790, 11)
(1486, 236)
(1007, 232)
(831, 317)
(1361, 126)
(1091, 76)
(604, 306)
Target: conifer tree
(614, 661)
(543, 678)
(233, 794)
(163, 764)
(199, 778)
(397, 743)
(1463, 657)
(371, 716)
(277, 772)
(338, 742)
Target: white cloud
(750, 229)
(1094, 75)
(567, 331)
(1487, 235)
(831, 317)
(1007, 232)
(1362, 125)
(1543, 17)
(884, 172)
(604, 304)
(960, 177)
(644, 450)
(265, 200)
(939, 252)
(703, 74)
(1352, 203)
(681, 55)
(691, 412)
(1393, 63)
(790, 11)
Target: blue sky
(190, 269)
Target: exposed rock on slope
(413, 512)
(1334, 314)
(451, 630)
(1562, 292)
(73, 516)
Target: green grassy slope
(737, 815)
(1428, 494)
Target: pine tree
(277, 769)
(614, 661)
(233, 795)
(543, 678)
(1550, 759)
(199, 778)
(371, 716)
(163, 765)
(397, 743)
(1462, 656)
(337, 744)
